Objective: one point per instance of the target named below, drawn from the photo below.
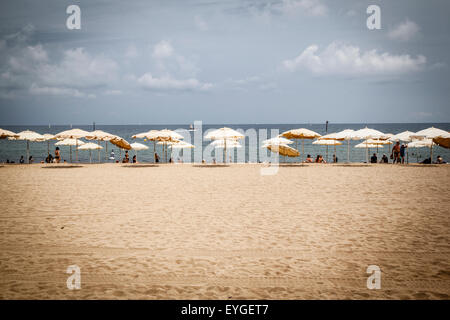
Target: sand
(192, 232)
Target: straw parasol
(302, 134)
(328, 142)
(138, 146)
(443, 141)
(72, 134)
(283, 150)
(429, 133)
(121, 143)
(277, 140)
(402, 136)
(225, 134)
(100, 135)
(90, 146)
(29, 136)
(7, 134)
(48, 137)
(364, 134)
(70, 143)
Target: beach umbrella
(443, 140)
(220, 144)
(301, 134)
(368, 146)
(100, 135)
(165, 136)
(429, 133)
(121, 143)
(90, 146)
(48, 137)
(28, 136)
(225, 134)
(7, 134)
(138, 146)
(149, 135)
(341, 136)
(72, 134)
(364, 134)
(277, 140)
(283, 149)
(182, 145)
(402, 136)
(328, 142)
(70, 143)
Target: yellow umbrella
(443, 140)
(283, 150)
(302, 134)
(7, 134)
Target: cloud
(310, 7)
(58, 91)
(27, 67)
(200, 23)
(313, 8)
(405, 31)
(162, 49)
(131, 52)
(344, 59)
(148, 81)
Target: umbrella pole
(303, 149)
(431, 152)
(70, 149)
(48, 148)
(28, 151)
(154, 151)
(90, 156)
(98, 152)
(76, 150)
(348, 150)
(327, 154)
(225, 151)
(296, 146)
(106, 148)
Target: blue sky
(173, 62)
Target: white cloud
(200, 23)
(112, 92)
(350, 60)
(310, 7)
(131, 52)
(167, 82)
(162, 49)
(58, 91)
(405, 31)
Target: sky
(227, 61)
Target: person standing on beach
(395, 155)
(57, 155)
(402, 153)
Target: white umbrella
(90, 146)
(220, 144)
(402, 136)
(7, 134)
(182, 145)
(225, 134)
(70, 143)
(364, 134)
(277, 140)
(138, 146)
(429, 133)
(345, 135)
(29, 136)
(302, 134)
(328, 142)
(100, 135)
(165, 136)
(72, 134)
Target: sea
(251, 151)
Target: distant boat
(191, 128)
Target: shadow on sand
(62, 167)
(210, 165)
(140, 165)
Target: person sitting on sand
(384, 159)
(335, 159)
(22, 160)
(127, 157)
(49, 158)
(57, 155)
(309, 159)
(134, 159)
(112, 156)
(395, 154)
(320, 159)
(439, 160)
(426, 161)
(156, 158)
(30, 159)
(374, 159)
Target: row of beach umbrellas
(227, 138)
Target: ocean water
(12, 150)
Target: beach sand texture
(193, 232)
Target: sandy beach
(202, 232)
